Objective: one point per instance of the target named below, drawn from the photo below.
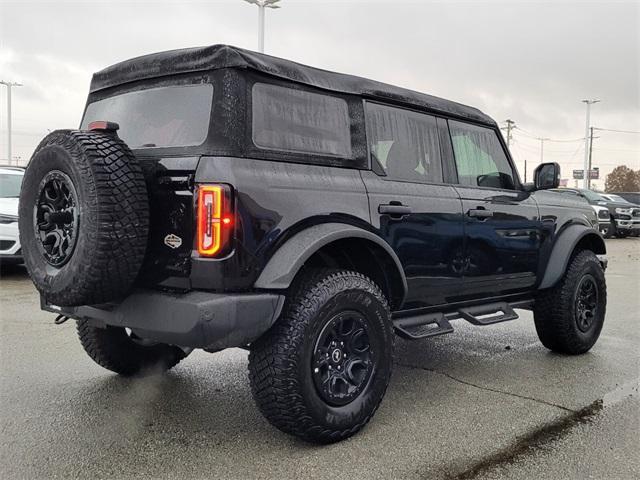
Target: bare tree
(622, 179)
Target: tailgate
(171, 207)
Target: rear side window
(405, 143)
(175, 116)
(291, 120)
(480, 158)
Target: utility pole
(590, 155)
(525, 170)
(510, 126)
(9, 85)
(586, 142)
(262, 4)
(542, 140)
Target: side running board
(488, 314)
(422, 326)
(432, 324)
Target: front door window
(480, 158)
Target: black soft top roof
(215, 57)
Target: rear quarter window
(291, 120)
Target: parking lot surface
(483, 402)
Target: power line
(537, 137)
(616, 131)
(536, 148)
(617, 149)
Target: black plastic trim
(196, 319)
(562, 249)
(290, 257)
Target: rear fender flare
(283, 266)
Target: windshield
(592, 196)
(175, 116)
(10, 185)
(616, 198)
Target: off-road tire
(113, 349)
(113, 218)
(555, 308)
(280, 367)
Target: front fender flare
(283, 266)
(562, 249)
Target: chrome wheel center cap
(336, 355)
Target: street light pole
(261, 28)
(9, 85)
(262, 4)
(586, 142)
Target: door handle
(395, 209)
(480, 212)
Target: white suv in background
(10, 181)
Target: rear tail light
(103, 125)
(215, 221)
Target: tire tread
(273, 358)
(553, 308)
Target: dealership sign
(594, 174)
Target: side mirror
(546, 175)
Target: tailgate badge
(172, 241)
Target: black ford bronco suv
(215, 197)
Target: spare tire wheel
(83, 217)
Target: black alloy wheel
(586, 303)
(343, 358)
(55, 218)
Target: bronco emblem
(172, 241)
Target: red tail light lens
(214, 220)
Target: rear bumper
(196, 319)
(15, 259)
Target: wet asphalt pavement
(483, 402)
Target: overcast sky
(529, 61)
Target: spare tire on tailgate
(84, 217)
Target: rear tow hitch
(60, 319)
